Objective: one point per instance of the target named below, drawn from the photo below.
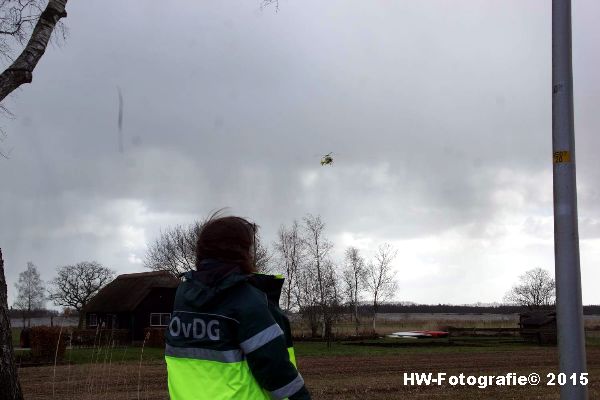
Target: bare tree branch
(267, 3)
(6, 112)
(21, 70)
(264, 257)
(175, 250)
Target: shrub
(25, 338)
(44, 342)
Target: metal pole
(569, 310)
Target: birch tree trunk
(9, 380)
(18, 73)
(374, 315)
(356, 320)
(21, 70)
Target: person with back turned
(228, 338)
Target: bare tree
(30, 292)
(381, 277)
(289, 254)
(262, 257)
(9, 379)
(175, 250)
(321, 273)
(17, 19)
(307, 299)
(354, 276)
(320, 309)
(75, 285)
(536, 289)
(332, 309)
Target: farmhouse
(133, 302)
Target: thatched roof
(127, 291)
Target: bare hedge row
(49, 343)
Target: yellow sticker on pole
(562, 157)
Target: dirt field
(328, 377)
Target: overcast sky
(438, 114)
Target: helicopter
(327, 159)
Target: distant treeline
(41, 313)
(456, 309)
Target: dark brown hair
(228, 239)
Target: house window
(160, 319)
(93, 320)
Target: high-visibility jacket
(228, 338)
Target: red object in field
(435, 334)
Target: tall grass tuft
(123, 362)
(106, 350)
(97, 340)
(140, 367)
(55, 358)
(112, 346)
(69, 364)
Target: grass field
(373, 371)
(389, 324)
(367, 370)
